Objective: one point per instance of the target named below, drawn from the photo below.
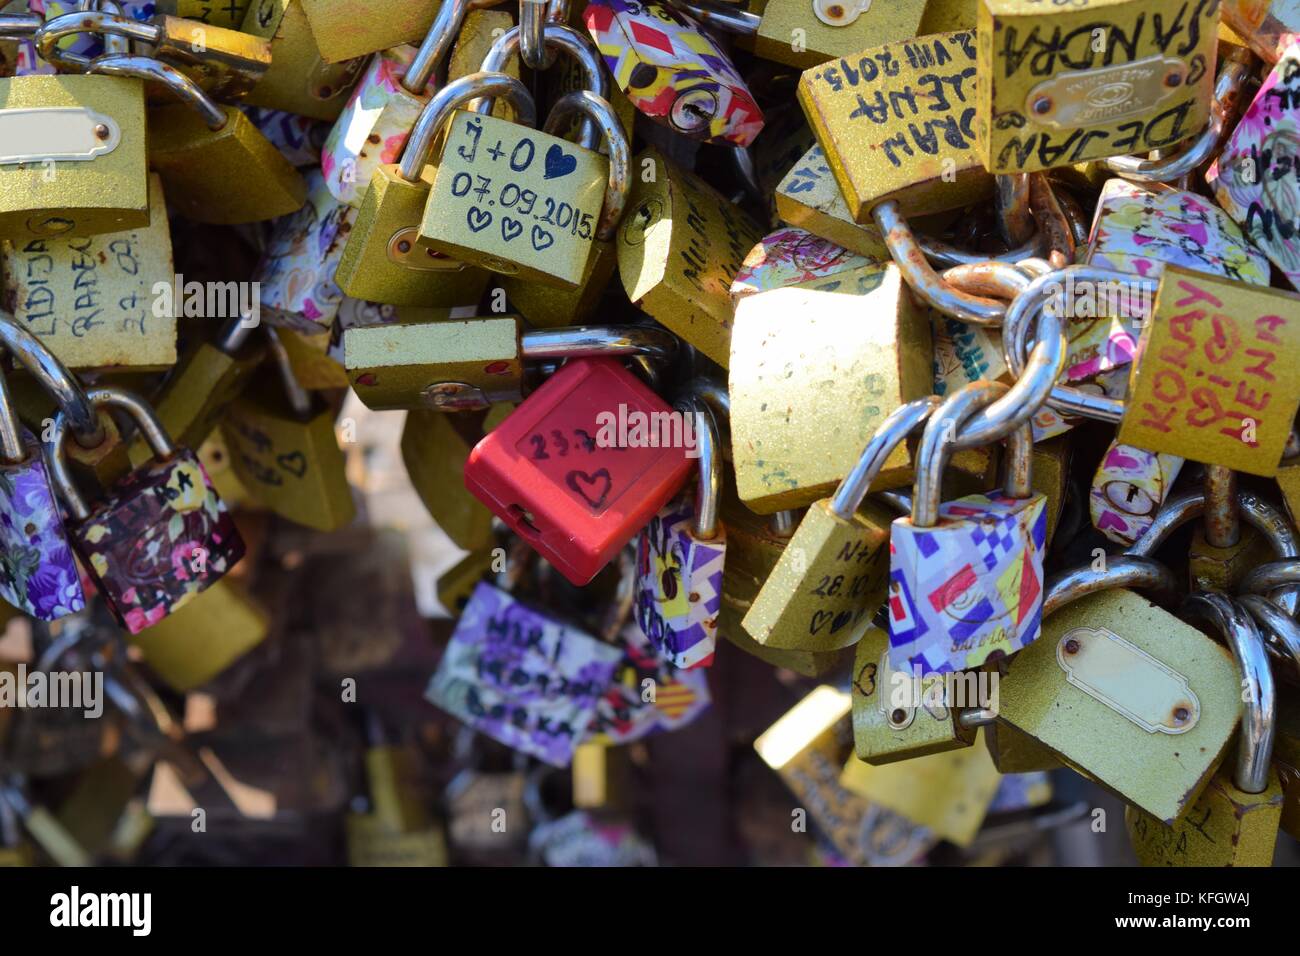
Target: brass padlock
(457, 583)
(1056, 87)
(1222, 548)
(93, 300)
(435, 447)
(350, 28)
(298, 80)
(1234, 820)
(223, 13)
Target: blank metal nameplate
(62, 133)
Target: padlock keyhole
(524, 517)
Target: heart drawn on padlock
(510, 228)
(540, 234)
(819, 620)
(478, 219)
(559, 163)
(294, 462)
(581, 482)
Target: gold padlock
(298, 81)
(350, 28)
(435, 447)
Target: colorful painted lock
(1208, 385)
(581, 465)
(572, 194)
(521, 676)
(297, 273)
(833, 576)
(298, 138)
(789, 452)
(209, 376)
(383, 261)
(1128, 489)
(673, 72)
(897, 716)
(160, 536)
(680, 557)
(74, 161)
(92, 300)
(680, 245)
(1234, 820)
(349, 28)
(298, 79)
(1056, 87)
(966, 577)
(1122, 690)
(283, 448)
(373, 127)
(783, 31)
(435, 447)
(38, 574)
(896, 122)
(215, 166)
(793, 257)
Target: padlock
(680, 558)
(38, 574)
(1234, 820)
(792, 257)
(209, 376)
(1267, 26)
(284, 450)
(223, 13)
(350, 28)
(296, 274)
(373, 128)
(673, 72)
(298, 138)
(435, 447)
(577, 193)
(1014, 751)
(313, 358)
(396, 830)
(457, 583)
(897, 716)
(193, 645)
(680, 245)
(1222, 548)
(161, 536)
(1123, 691)
(1253, 178)
(949, 792)
(1128, 489)
(789, 453)
(200, 149)
(298, 80)
(382, 260)
(74, 162)
(1206, 386)
(1056, 87)
(896, 122)
(93, 300)
(570, 475)
(833, 576)
(966, 577)
(522, 677)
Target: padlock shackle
(13, 450)
(52, 375)
(151, 70)
(721, 16)
(578, 341)
(437, 43)
(1259, 711)
(891, 433)
(299, 398)
(1121, 571)
(936, 445)
(151, 429)
(1015, 219)
(599, 112)
(944, 255)
(709, 445)
(1222, 521)
(19, 26)
(567, 40)
(1281, 631)
(1053, 224)
(533, 50)
(1257, 512)
(1269, 576)
(103, 22)
(988, 277)
(443, 104)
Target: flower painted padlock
(679, 558)
(160, 536)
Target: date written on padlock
(503, 183)
(1213, 382)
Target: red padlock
(582, 464)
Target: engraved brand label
(64, 133)
(1071, 100)
(1128, 680)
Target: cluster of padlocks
(933, 351)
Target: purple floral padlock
(160, 536)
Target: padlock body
(225, 177)
(1127, 490)
(970, 588)
(350, 28)
(298, 79)
(105, 191)
(1211, 568)
(37, 572)
(547, 307)
(833, 30)
(435, 447)
(1223, 827)
(457, 583)
(514, 200)
(679, 586)
(1059, 86)
(831, 579)
(160, 537)
(558, 473)
(809, 197)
